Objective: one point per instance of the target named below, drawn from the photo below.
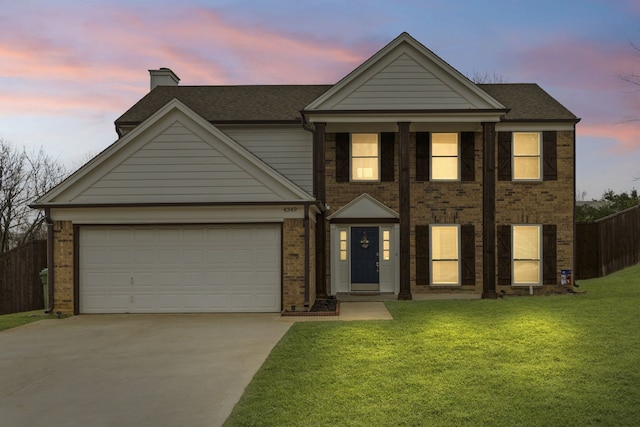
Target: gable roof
(404, 75)
(364, 206)
(210, 168)
(286, 104)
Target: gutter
(50, 269)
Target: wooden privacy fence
(20, 285)
(608, 244)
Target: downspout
(50, 269)
(307, 264)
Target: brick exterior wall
(548, 202)
(293, 265)
(63, 299)
(454, 202)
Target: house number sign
(291, 209)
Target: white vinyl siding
(407, 84)
(180, 268)
(288, 150)
(179, 166)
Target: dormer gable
(404, 76)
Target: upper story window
(527, 158)
(527, 254)
(365, 157)
(445, 155)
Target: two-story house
(403, 178)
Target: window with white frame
(445, 156)
(527, 254)
(365, 157)
(386, 245)
(527, 156)
(445, 254)
(343, 245)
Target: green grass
(8, 321)
(569, 360)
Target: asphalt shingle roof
(283, 103)
(528, 101)
(271, 103)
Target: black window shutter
(342, 157)
(550, 156)
(504, 156)
(422, 156)
(549, 257)
(468, 156)
(387, 152)
(468, 254)
(422, 255)
(504, 255)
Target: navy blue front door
(364, 255)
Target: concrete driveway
(132, 370)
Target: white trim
(445, 117)
(458, 158)
(366, 203)
(540, 255)
(534, 127)
(178, 214)
(378, 158)
(459, 260)
(389, 271)
(540, 158)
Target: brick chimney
(163, 77)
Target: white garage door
(141, 269)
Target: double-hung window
(365, 157)
(445, 255)
(527, 156)
(445, 156)
(527, 254)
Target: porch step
(366, 296)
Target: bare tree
(634, 79)
(23, 178)
(487, 77)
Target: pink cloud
(578, 64)
(625, 135)
(98, 57)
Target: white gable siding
(404, 84)
(287, 149)
(179, 166)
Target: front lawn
(523, 361)
(8, 321)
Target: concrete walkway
(365, 310)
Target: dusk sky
(69, 68)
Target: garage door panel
(121, 237)
(180, 268)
